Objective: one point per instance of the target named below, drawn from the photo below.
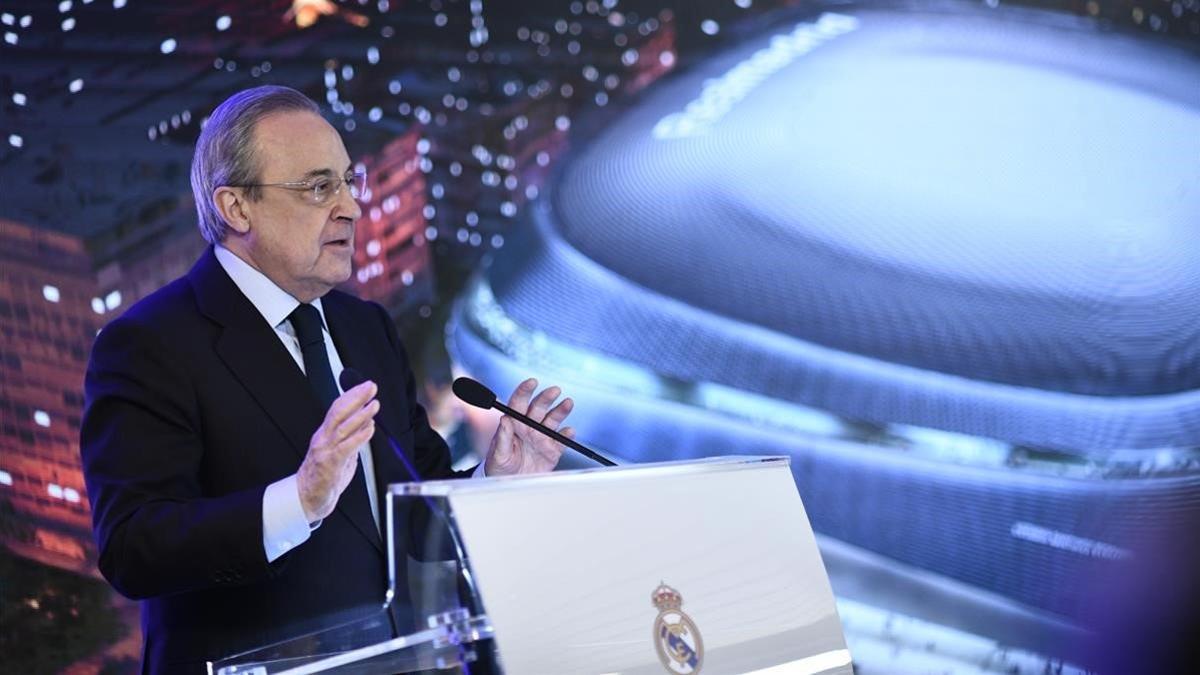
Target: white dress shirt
(284, 524)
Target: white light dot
(68, 24)
(224, 22)
(508, 209)
(406, 278)
(394, 87)
(54, 490)
(440, 20)
(373, 55)
(710, 27)
(6, 478)
(50, 293)
(26, 21)
(347, 72)
(462, 235)
(7, 19)
(543, 159)
(97, 305)
(431, 233)
(18, 98)
(744, 4)
(15, 140)
(41, 418)
(118, 4)
(562, 123)
(168, 45)
(375, 114)
(112, 300)
(667, 59)
(629, 57)
(64, 6)
(423, 146)
(497, 241)
(10, 38)
(373, 247)
(76, 86)
(429, 211)
(71, 495)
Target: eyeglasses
(320, 190)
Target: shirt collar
(271, 301)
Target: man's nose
(347, 205)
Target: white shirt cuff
(284, 524)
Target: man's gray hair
(225, 151)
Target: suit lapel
(255, 356)
(261, 364)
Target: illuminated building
(390, 257)
(49, 313)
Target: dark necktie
(307, 322)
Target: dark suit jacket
(193, 408)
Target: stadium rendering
(944, 256)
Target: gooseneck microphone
(475, 394)
(351, 378)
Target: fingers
(541, 403)
(355, 423)
(537, 408)
(559, 413)
(349, 403)
(519, 400)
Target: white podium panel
(681, 567)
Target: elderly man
(235, 488)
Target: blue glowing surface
(987, 196)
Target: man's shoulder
(353, 306)
(168, 305)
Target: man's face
(303, 247)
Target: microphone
(351, 378)
(475, 394)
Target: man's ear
(231, 204)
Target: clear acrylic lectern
(674, 567)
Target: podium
(677, 567)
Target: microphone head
(350, 378)
(473, 393)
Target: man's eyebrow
(318, 173)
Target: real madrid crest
(676, 638)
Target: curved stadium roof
(932, 218)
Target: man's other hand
(517, 448)
(333, 452)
